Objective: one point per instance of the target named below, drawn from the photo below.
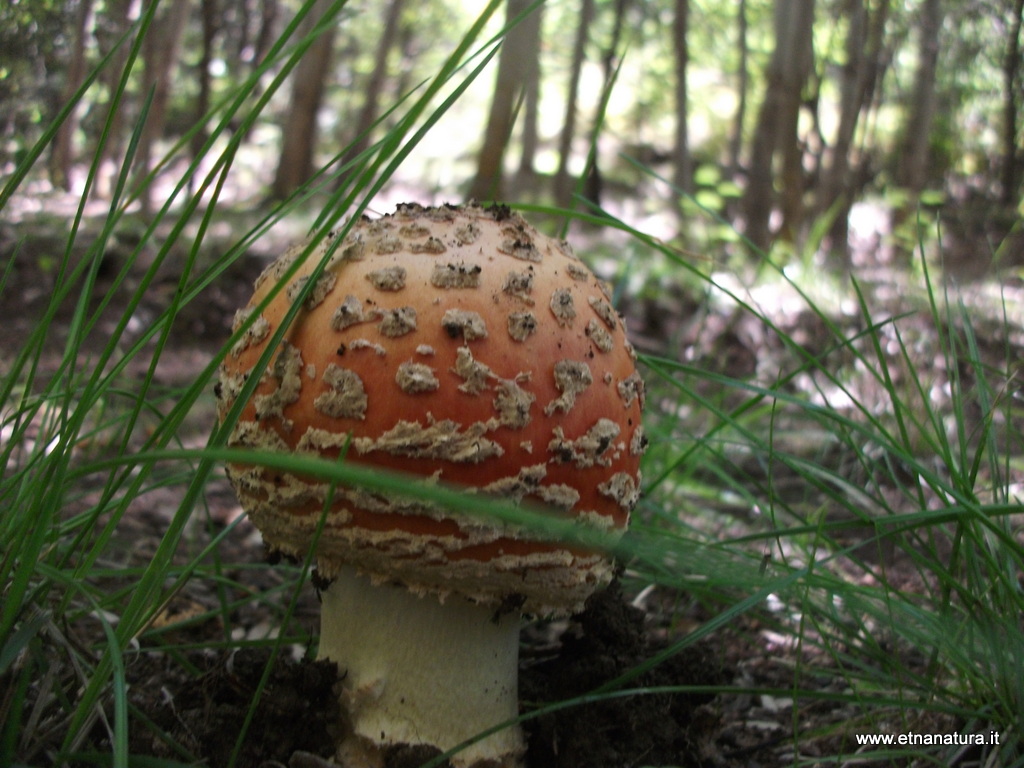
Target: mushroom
(459, 344)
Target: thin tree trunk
(1011, 171)
(375, 85)
(407, 47)
(851, 88)
(530, 137)
(777, 127)
(249, 53)
(563, 184)
(912, 166)
(211, 26)
(160, 52)
(300, 132)
(682, 161)
(799, 67)
(742, 79)
(513, 72)
(270, 10)
(857, 85)
(914, 148)
(593, 183)
(110, 26)
(61, 154)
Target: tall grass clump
(872, 477)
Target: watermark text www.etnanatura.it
(913, 739)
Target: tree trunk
(799, 65)
(408, 48)
(160, 54)
(593, 184)
(110, 26)
(61, 154)
(211, 26)
(563, 184)
(915, 145)
(742, 79)
(530, 138)
(244, 50)
(857, 85)
(513, 72)
(363, 128)
(777, 134)
(270, 10)
(682, 162)
(299, 134)
(1011, 171)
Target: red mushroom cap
(455, 343)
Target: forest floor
(204, 712)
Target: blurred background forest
(793, 121)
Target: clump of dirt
(296, 716)
(605, 641)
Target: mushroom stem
(419, 671)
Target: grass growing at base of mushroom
(857, 505)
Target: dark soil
(608, 639)
(296, 714)
(207, 714)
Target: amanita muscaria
(459, 344)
